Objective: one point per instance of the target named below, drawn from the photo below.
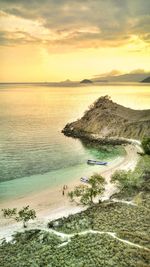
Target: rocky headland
(109, 122)
(146, 80)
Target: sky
(55, 40)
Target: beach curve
(50, 204)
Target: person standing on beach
(65, 187)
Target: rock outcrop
(108, 120)
(147, 80)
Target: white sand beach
(52, 204)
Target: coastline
(51, 204)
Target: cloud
(82, 23)
(110, 73)
(18, 37)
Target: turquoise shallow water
(34, 154)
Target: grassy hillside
(106, 234)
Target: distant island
(107, 120)
(146, 80)
(86, 81)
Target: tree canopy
(87, 193)
(24, 215)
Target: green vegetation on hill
(146, 145)
(129, 221)
(42, 250)
(132, 183)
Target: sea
(34, 153)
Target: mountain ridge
(127, 77)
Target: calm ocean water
(34, 153)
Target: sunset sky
(54, 40)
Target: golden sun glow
(38, 46)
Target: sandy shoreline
(51, 204)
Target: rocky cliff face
(108, 119)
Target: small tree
(146, 145)
(9, 213)
(24, 215)
(87, 193)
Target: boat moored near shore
(96, 162)
(84, 179)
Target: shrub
(146, 145)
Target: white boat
(84, 179)
(96, 162)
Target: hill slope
(109, 119)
